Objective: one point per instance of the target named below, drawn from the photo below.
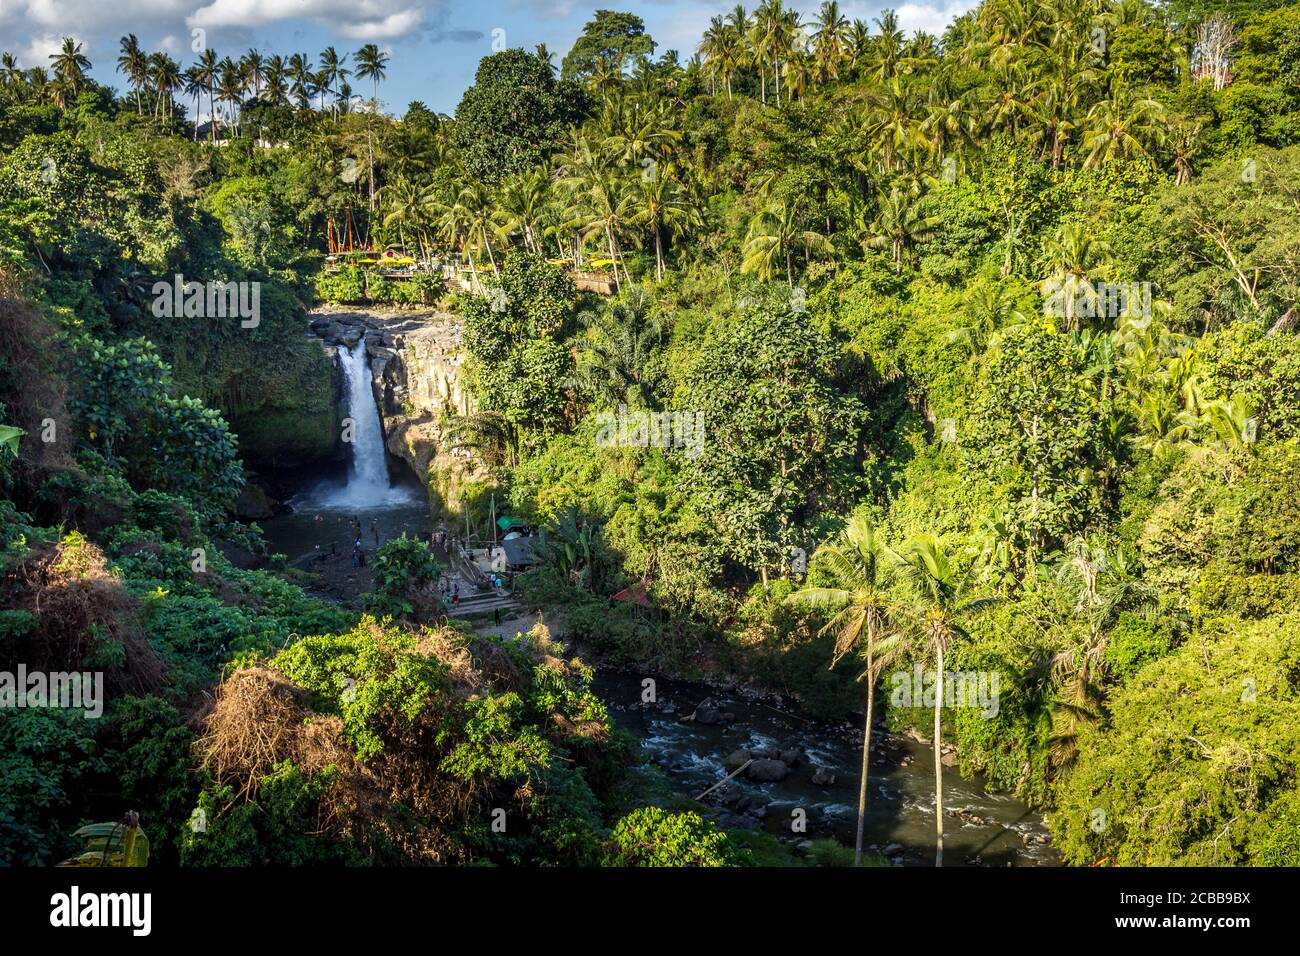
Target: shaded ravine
(982, 829)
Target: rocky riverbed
(800, 780)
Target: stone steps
(473, 604)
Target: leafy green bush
(345, 287)
(1200, 760)
(652, 836)
(1135, 641)
(402, 566)
(47, 755)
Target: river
(983, 828)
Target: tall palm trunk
(938, 765)
(473, 271)
(613, 256)
(866, 755)
(370, 153)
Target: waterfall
(368, 484)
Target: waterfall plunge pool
(376, 494)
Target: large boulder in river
(736, 759)
(707, 712)
(732, 797)
(768, 771)
(791, 756)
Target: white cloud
(354, 19)
(390, 27)
(90, 15)
(39, 50)
(932, 17)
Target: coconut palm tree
(372, 65)
(855, 566)
(474, 203)
(301, 80)
(988, 307)
(522, 202)
(899, 225)
(735, 51)
(133, 63)
(893, 122)
(1102, 584)
(636, 132)
(495, 438)
(1122, 126)
(714, 40)
(546, 57)
(277, 86)
(948, 125)
(405, 209)
(1232, 420)
(207, 67)
(859, 44)
(602, 204)
(800, 71)
(766, 36)
(661, 203)
(1071, 257)
(451, 229)
(230, 88)
(773, 235)
(332, 72)
(940, 606)
(165, 75)
(194, 88)
(613, 353)
(252, 69)
(320, 86)
(10, 71)
(70, 65)
(887, 49)
(831, 38)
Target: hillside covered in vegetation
(969, 353)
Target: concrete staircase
(474, 603)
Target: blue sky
(435, 44)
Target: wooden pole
(725, 779)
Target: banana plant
(112, 844)
(9, 436)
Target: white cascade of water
(368, 485)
